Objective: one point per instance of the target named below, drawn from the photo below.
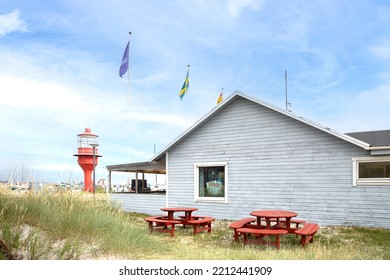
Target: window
(211, 182)
(371, 171)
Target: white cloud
(381, 51)
(11, 22)
(25, 94)
(235, 7)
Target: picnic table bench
(161, 223)
(260, 233)
(192, 217)
(201, 224)
(282, 222)
(240, 224)
(307, 233)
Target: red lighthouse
(87, 154)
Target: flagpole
(128, 106)
(188, 68)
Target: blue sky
(59, 64)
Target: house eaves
(238, 94)
(152, 167)
(380, 150)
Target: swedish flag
(184, 89)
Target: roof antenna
(288, 104)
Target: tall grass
(71, 226)
(67, 226)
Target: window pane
(374, 170)
(212, 181)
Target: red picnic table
(160, 223)
(283, 220)
(275, 215)
(283, 226)
(187, 212)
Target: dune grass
(68, 226)
(80, 226)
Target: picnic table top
(179, 209)
(273, 213)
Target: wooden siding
(141, 203)
(276, 162)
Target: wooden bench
(240, 224)
(293, 222)
(307, 233)
(294, 225)
(161, 223)
(260, 233)
(192, 217)
(201, 224)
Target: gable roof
(236, 95)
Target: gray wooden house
(248, 155)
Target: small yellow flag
(220, 98)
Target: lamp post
(94, 145)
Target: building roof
(238, 94)
(153, 167)
(374, 138)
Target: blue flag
(125, 61)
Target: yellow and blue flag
(184, 89)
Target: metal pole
(285, 82)
(128, 105)
(94, 165)
(109, 181)
(94, 145)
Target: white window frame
(368, 181)
(197, 198)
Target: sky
(59, 63)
